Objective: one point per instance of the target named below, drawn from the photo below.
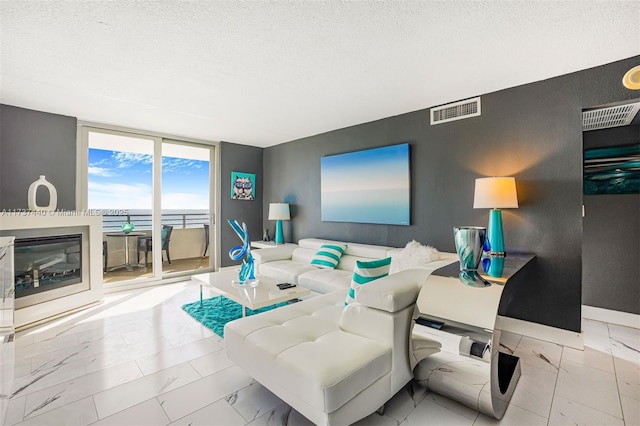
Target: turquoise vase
(469, 242)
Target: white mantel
(28, 220)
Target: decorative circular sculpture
(53, 195)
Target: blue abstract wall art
(612, 170)
(370, 186)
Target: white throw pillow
(328, 256)
(414, 255)
(364, 273)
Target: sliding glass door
(186, 218)
(155, 197)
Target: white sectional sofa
(292, 263)
(334, 364)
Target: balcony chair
(105, 257)
(206, 239)
(145, 244)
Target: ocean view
(141, 218)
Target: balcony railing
(142, 221)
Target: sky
(373, 169)
(123, 180)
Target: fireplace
(57, 263)
(46, 267)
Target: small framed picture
(243, 186)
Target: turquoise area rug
(215, 312)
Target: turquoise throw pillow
(328, 256)
(364, 273)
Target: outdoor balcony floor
(177, 265)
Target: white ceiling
(263, 73)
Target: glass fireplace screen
(47, 263)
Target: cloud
(171, 164)
(130, 159)
(100, 171)
(119, 196)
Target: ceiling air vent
(455, 111)
(603, 118)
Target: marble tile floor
(138, 359)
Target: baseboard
(613, 317)
(41, 321)
(555, 335)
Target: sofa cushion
(282, 252)
(296, 346)
(354, 249)
(325, 280)
(364, 273)
(367, 250)
(284, 270)
(392, 293)
(328, 256)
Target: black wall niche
(532, 132)
(246, 159)
(34, 143)
(611, 237)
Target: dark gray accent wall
(611, 237)
(246, 159)
(532, 132)
(34, 143)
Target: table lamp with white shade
(495, 193)
(279, 212)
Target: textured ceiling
(263, 73)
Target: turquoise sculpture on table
(127, 227)
(246, 276)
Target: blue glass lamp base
(493, 265)
(494, 233)
(279, 239)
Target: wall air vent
(603, 118)
(455, 111)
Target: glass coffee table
(266, 293)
